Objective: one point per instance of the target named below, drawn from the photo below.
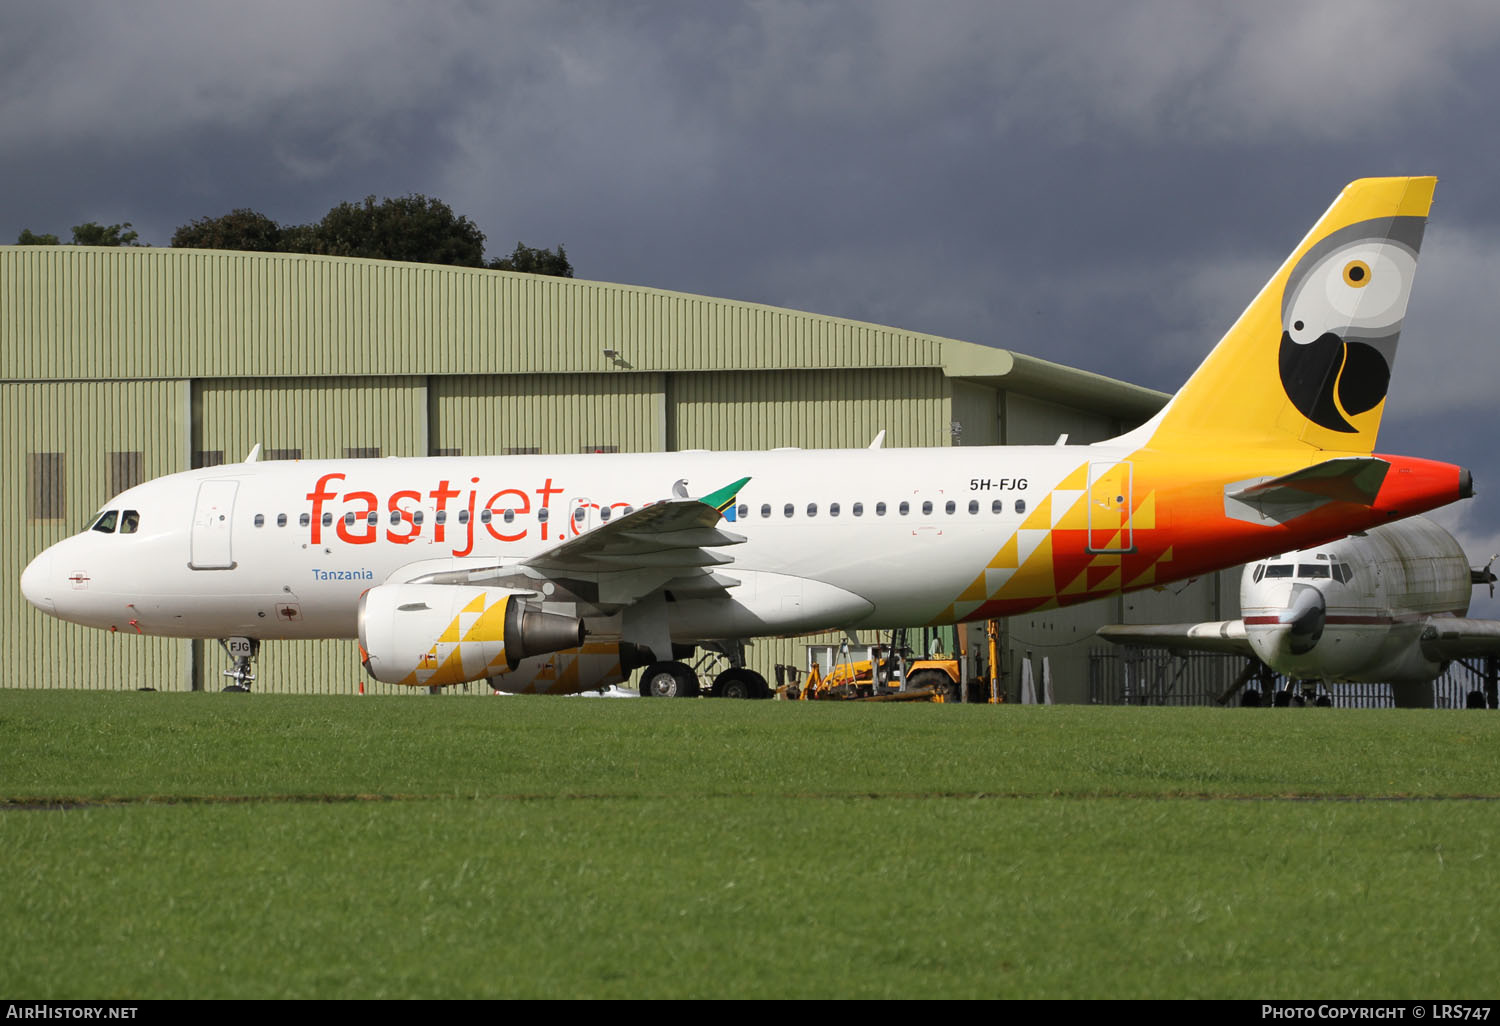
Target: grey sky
(1103, 184)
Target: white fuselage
(284, 549)
(1377, 592)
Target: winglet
(723, 499)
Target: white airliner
(563, 573)
(1388, 605)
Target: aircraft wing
(1216, 636)
(669, 545)
(1455, 637)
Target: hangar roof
(131, 313)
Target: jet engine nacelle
(429, 635)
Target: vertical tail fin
(1308, 362)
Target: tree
(413, 228)
(534, 261)
(95, 234)
(29, 238)
(241, 229)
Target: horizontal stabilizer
(1215, 636)
(1353, 479)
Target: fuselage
(1365, 601)
(846, 538)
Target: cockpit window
(106, 522)
(130, 522)
(1312, 570)
(1279, 570)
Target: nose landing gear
(243, 651)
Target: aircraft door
(1109, 504)
(213, 525)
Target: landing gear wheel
(937, 680)
(241, 688)
(243, 651)
(741, 683)
(669, 680)
(1475, 700)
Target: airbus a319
(564, 573)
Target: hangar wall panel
(551, 413)
(1032, 421)
(84, 421)
(321, 417)
(976, 409)
(810, 409)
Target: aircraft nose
(1305, 615)
(37, 583)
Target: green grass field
(163, 846)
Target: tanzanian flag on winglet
(723, 499)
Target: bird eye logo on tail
(1342, 310)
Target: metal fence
(1159, 677)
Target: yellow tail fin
(1308, 362)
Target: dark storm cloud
(1106, 185)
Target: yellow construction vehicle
(887, 673)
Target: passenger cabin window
(997, 507)
(485, 516)
(1020, 506)
(950, 507)
(305, 520)
(105, 524)
(858, 509)
(541, 515)
(833, 509)
(260, 520)
(281, 520)
(765, 509)
(744, 511)
(510, 516)
(880, 509)
(812, 509)
(328, 519)
(904, 508)
(788, 510)
(973, 506)
(927, 509)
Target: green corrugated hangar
(120, 365)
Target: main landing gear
(243, 651)
(679, 680)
